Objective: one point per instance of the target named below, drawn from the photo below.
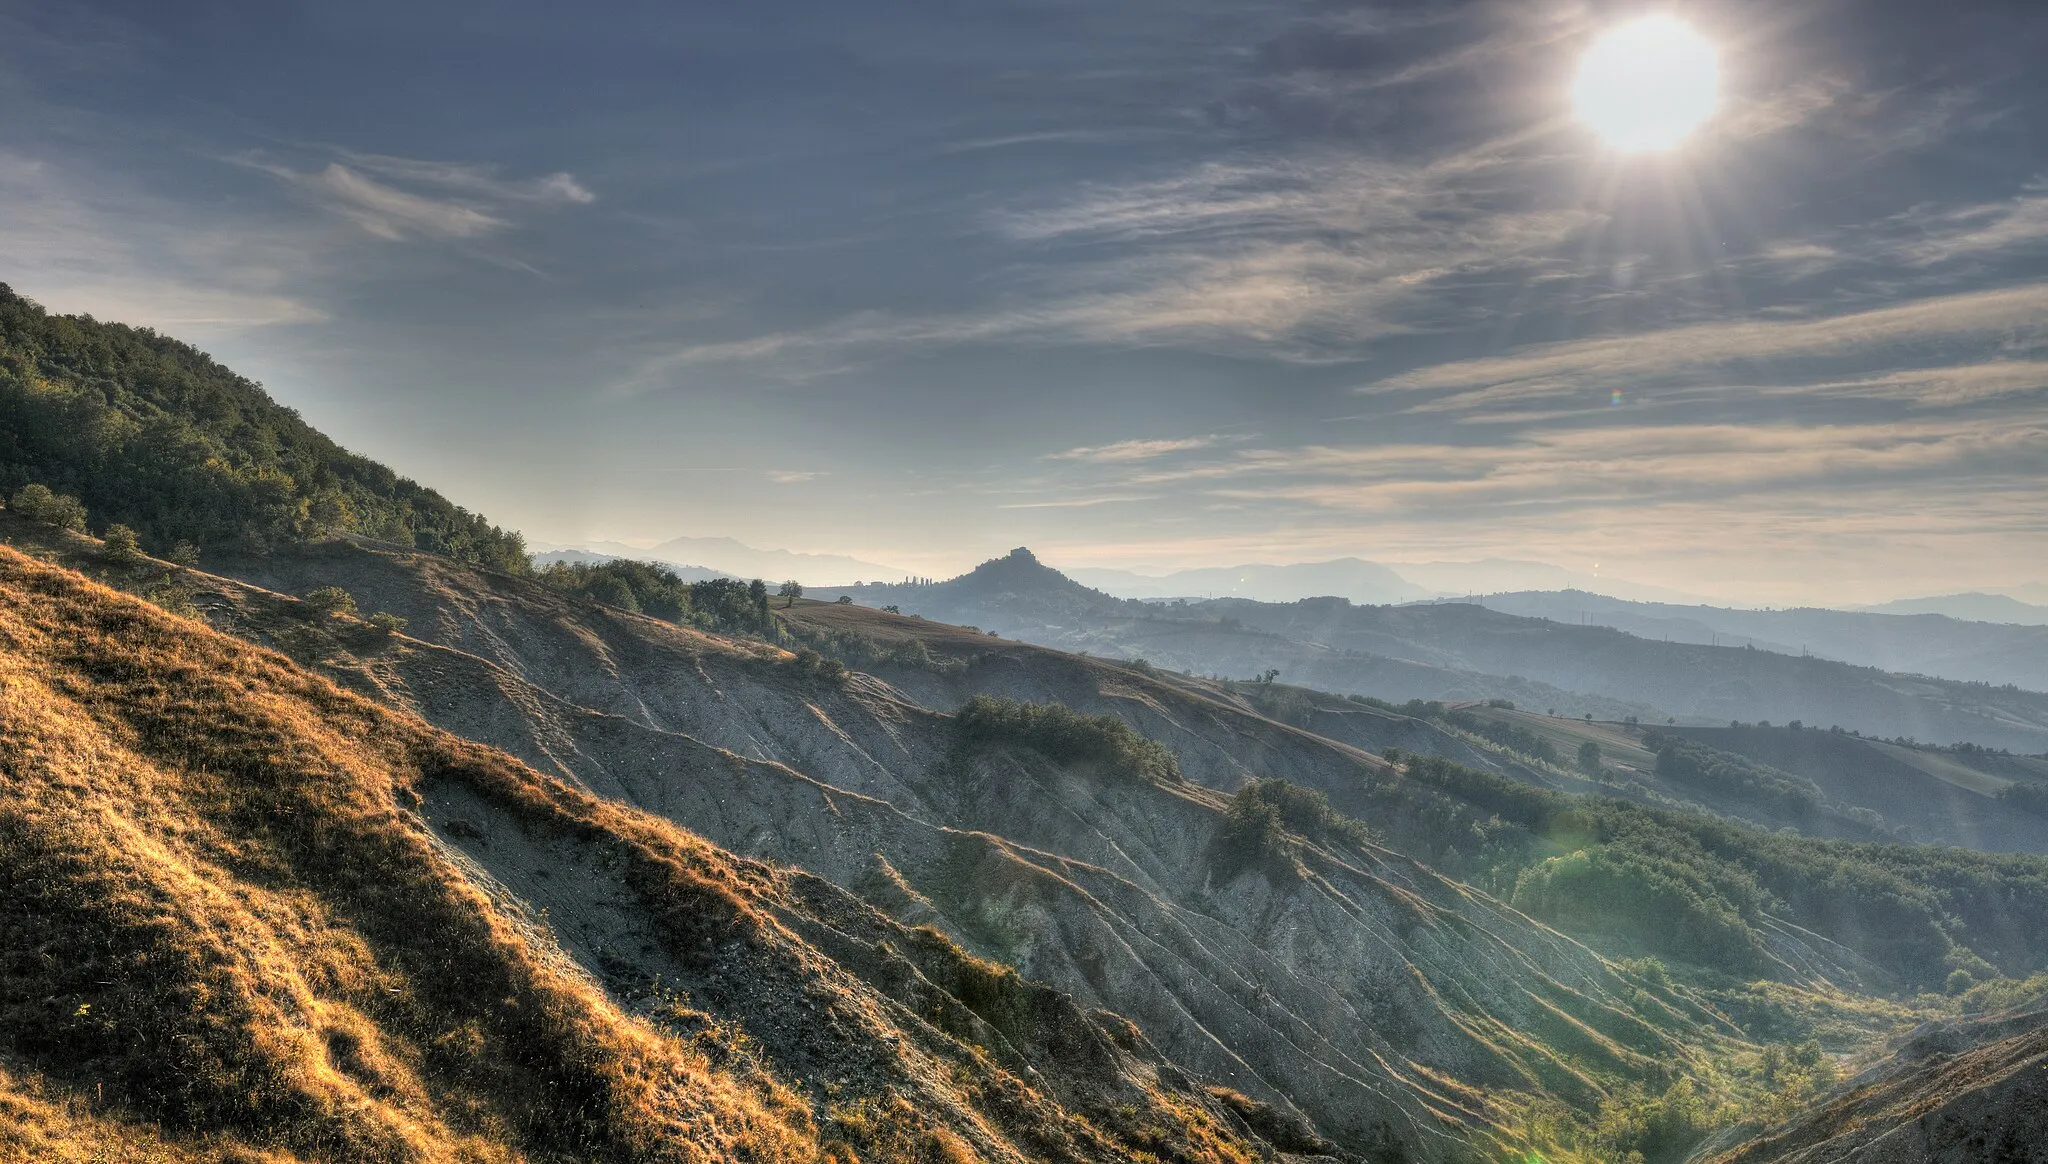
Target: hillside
(1989, 650)
(249, 915)
(1103, 898)
(1461, 651)
(151, 433)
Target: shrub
(38, 503)
(1254, 834)
(386, 623)
(330, 600)
(819, 666)
(1064, 734)
(121, 545)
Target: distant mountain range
(1361, 581)
(1901, 639)
(712, 557)
(1975, 607)
(1565, 659)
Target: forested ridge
(152, 433)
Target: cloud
(793, 476)
(382, 210)
(1574, 368)
(351, 189)
(82, 243)
(1132, 450)
(1987, 228)
(1303, 262)
(1625, 466)
(1079, 502)
(555, 188)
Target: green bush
(1254, 834)
(330, 600)
(1064, 734)
(120, 545)
(1661, 905)
(386, 623)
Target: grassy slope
(225, 920)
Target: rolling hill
(1462, 651)
(1990, 651)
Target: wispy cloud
(1079, 502)
(83, 243)
(1939, 236)
(1133, 450)
(484, 181)
(2013, 317)
(1303, 262)
(793, 476)
(468, 201)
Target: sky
(1145, 284)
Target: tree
(757, 594)
(329, 512)
(1589, 757)
(845, 600)
(790, 592)
(121, 545)
(612, 590)
(38, 503)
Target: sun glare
(1646, 85)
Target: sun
(1648, 84)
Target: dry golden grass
(225, 935)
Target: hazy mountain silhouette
(1975, 607)
(1899, 639)
(1464, 650)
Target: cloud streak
(2014, 316)
(1133, 450)
(352, 190)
